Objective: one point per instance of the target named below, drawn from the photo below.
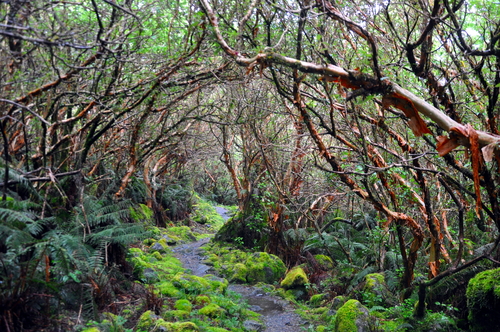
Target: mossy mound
(263, 267)
(183, 304)
(352, 317)
(163, 238)
(295, 278)
(325, 262)
(146, 267)
(317, 299)
(239, 266)
(375, 291)
(191, 284)
(212, 310)
(483, 301)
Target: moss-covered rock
(192, 284)
(242, 267)
(263, 267)
(183, 326)
(146, 321)
(151, 322)
(483, 301)
(176, 315)
(212, 310)
(338, 301)
(325, 262)
(183, 304)
(352, 317)
(375, 291)
(202, 300)
(183, 233)
(296, 277)
(240, 273)
(160, 246)
(150, 267)
(316, 299)
(168, 289)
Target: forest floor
(278, 315)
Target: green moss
(168, 289)
(151, 322)
(348, 315)
(321, 328)
(264, 267)
(184, 326)
(338, 301)
(316, 299)
(205, 213)
(216, 329)
(91, 329)
(183, 304)
(240, 273)
(483, 301)
(298, 293)
(212, 310)
(152, 266)
(181, 233)
(141, 213)
(320, 310)
(390, 325)
(140, 262)
(324, 261)
(212, 258)
(161, 242)
(146, 321)
(240, 266)
(175, 314)
(191, 284)
(376, 293)
(157, 255)
(294, 278)
(202, 300)
(374, 280)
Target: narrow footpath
(278, 314)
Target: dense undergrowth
(105, 265)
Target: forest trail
(278, 314)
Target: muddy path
(278, 314)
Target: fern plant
(25, 264)
(45, 261)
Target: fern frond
(22, 185)
(123, 234)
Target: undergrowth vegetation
(62, 266)
(104, 266)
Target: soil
(278, 314)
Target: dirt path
(278, 315)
